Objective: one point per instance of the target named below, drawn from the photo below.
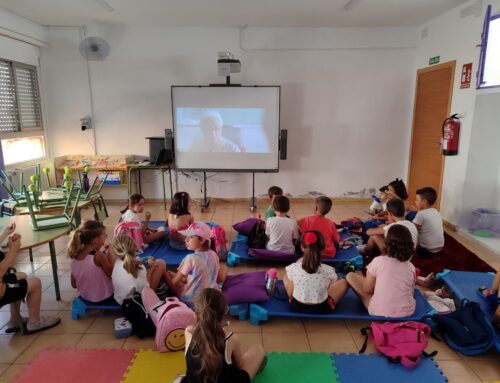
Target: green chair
(95, 197)
(53, 221)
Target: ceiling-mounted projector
(227, 64)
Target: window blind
(9, 118)
(28, 97)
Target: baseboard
(450, 225)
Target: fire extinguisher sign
(466, 76)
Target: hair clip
(310, 238)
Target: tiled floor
(276, 335)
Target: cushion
(272, 255)
(245, 288)
(245, 227)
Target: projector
(227, 64)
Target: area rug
(454, 256)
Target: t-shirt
(394, 287)
(326, 227)
(124, 283)
(431, 234)
(409, 225)
(130, 216)
(281, 232)
(201, 270)
(270, 213)
(310, 288)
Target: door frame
(448, 64)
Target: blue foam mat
(371, 368)
(240, 249)
(465, 285)
(80, 306)
(349, 307)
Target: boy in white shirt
(395, 216)
(429, 223)
(281, 230)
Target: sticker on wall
(434, 60)
(466, 76)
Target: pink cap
(198, 228)
(273, 273)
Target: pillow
(245, 227)
(245, 288)
(272, 255)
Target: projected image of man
(212, 139)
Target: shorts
(326, 307)
(15, 290)
(424, 253)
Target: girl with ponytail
(179, 218)
(211, 355)
(131, 273)
(312, 287)
(91, 268)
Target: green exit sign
(433, 60)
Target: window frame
(25, 132)
(484, 46)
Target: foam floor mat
(155, 367)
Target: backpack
(466, 330)
(220, 242)
(171, 318)
(257, 238)
(133, 230)
(133, 309)
(402, 342)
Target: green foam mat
(297, 368)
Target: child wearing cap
(200, 269)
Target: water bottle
(85, 182)
(271, 280)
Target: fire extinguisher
(451, 134)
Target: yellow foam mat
(152, 367)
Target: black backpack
(133, 309)
(257, 238)
(466, 330)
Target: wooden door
(432, 105)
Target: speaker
(283, 143)
(169, 146)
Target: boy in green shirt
(272, 192)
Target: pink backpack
(402, 342)
(171, 318)
(133, 230)
(220, 242)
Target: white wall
(455, 38)
(347, 111)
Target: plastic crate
(485, 222)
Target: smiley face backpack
(171, 318)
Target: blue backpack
(466, 330)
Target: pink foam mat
(77, 366)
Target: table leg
(53, 260)
(139, 174)
(30, 250)
(163, 186)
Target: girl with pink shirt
(387, 290)
(90, 267)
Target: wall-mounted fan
(94, 48)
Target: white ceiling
(232, 13)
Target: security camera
(85, 123)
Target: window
(489, 59)
(21, 128)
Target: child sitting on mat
(395, 216)
(281, 230)
(395, 189)
(325, 226)
(131, 273)
(91, 268)
(17, 286)
(429, 223)
(200, 269)
(494, 290)
(272, 192)
(312, 287)
(376, 206)
(179, 218)
(387, 290)
(131, 214)
(211, 354)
